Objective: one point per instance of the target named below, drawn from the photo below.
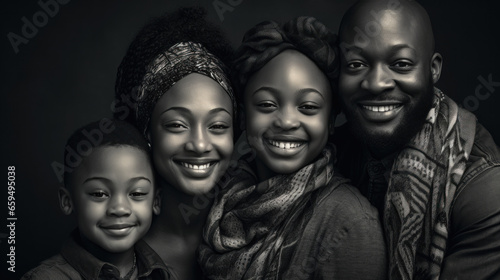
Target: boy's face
(192, 134)
(287, 108)
(114, 197)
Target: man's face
(386, 80)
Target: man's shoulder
(485, 155)
(56, 268)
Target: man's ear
(436, 66)
(65, 201)
(157, 202)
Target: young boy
(109, 186)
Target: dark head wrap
(166, 50)
(304, 34)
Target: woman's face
(287, 108)
(191, 134)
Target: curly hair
(186, 24)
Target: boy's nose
(119, 206)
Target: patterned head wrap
(171, 66)
(304, 34)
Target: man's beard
(382, 144)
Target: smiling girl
(288, 213)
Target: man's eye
(404, 65)
(355, 65)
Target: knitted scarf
(249, 222)
(422, 186)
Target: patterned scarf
(249, 222)
(424, 180)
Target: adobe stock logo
(39, 19)
(221, 7)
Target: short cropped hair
(102, 133)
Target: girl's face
(191, 134)
(287, 108)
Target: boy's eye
(99, 194)
(138, 195)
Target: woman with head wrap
(288, 213)
(178, 93)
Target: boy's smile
(114, 197)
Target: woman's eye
(176, 127)
(219, 127)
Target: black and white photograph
(238, 139)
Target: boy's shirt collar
(91, 267)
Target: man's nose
(378, 79)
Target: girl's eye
(309, 109)
(266, 106)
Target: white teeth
(195, 167)
(381, 108)
(285, 145)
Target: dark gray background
(64, 78)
